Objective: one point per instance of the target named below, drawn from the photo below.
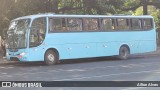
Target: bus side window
(55, 24)
(147, 24)
(58, 24)
(122, 24)
(75, 24)
(136, 24)
(107, 24)
(90, 24)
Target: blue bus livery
(50, 37)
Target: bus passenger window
(136, 24)
(147, 24)
(57, 24)
(122, 24)
(90, 24)
(75, 24)
(107, 24)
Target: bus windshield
(17, 34)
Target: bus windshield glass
(17, 34)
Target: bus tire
(50, 57)
(124, 53)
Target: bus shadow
(27, 64)
(87, 60)
(98, 59)
(71, 61)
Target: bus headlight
(23, 53)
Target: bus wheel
(50, 57)
(124, 53)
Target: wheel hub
(51, 57)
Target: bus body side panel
(94, 44)
(91, 44)
(72, 45)
(146, 42)
(37, 53)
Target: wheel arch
(125, 45)
(53, 49)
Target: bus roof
(81, 16)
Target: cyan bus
(50, 37)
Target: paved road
(137, 68)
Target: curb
(4, 61)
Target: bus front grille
(14, 59)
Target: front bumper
(16, 56)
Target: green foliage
(138, 11)
(153, 11)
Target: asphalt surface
(103, 69)
(140, 67)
